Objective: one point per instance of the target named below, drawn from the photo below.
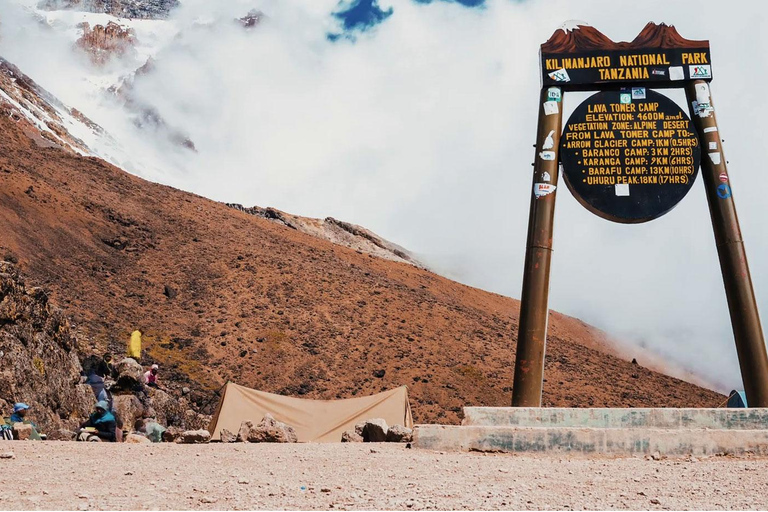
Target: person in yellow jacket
(134, 345)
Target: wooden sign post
(630, 155)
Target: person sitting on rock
(20, 416)
(101, 425)
(151, 429)
(150, 377)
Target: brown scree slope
(224, 295)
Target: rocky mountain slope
(143, 9)
(222, 294)
(38, 356)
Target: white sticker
(550, 107)
(702, 93)
(561, 75)
(702, 109)
(622, 189)
(553, 93)
(710, 129)
(547, 155)
(546, 177)
(543, 189)
(700, 71)
(638, 93)
(715, 157)
(676, 73)
(549, 142)
(713, 145)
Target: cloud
(422, 130)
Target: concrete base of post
(613, 432)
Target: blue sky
(361, 15)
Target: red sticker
(723, 177)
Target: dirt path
(83, 476)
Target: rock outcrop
(143, 9)
(38, 356)
(104, 42)
(336, 231)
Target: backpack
(6, 433)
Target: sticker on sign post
(723, 191)
(553, 93)
(550, 107)
(547, 155)
(543, 189)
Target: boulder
(195, 421)
(171, 434)
(242, 433)
(193, 437)
(130, 375)
(227, 436)
(350, 436)
(399, 434)
(375, 431)
(128, 408)
(61, 434)
(22, 431)
(359, 429)
(169, 410)
(136, 439)
(269, 430)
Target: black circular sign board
(630, 155)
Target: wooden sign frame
(580, 58)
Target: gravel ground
(83, 476)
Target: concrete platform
(672, 432)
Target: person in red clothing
(150, 376)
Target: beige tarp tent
(317, 421)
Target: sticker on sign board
(561, 75)
(713, 145)
(553, 93)
(545, 176)
(622, 189)
(723, 177)
(547, 155)
(710, 129)
(543, 189)
(550, 107)
(702, 93)
(658, 72)
(625, 98)
(549, 142)
(723, 191)
(638, 93)
(700, 71)
(715, 157)
(676, 73)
